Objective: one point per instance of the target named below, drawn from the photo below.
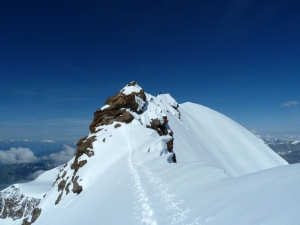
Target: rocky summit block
(120, 100)
(116, 107)
(104, 117)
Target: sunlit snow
(224, 174)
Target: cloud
(35, 174)
(269, 137)
(290, 103)
(63, 156)
(17, 156)
(49, 141)
(254, 131)
(291, 137)
(27, 140)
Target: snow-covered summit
(131, 87)
(149, 160)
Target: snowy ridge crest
(130, 105)
(124, 170)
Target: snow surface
(129, 89)
(40, 185)
(214, 138)
(224, 175)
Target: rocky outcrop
(34, 215)
(85, 146)
(161, 127)
(105, 117)
(115, 110)
(121, 100)
(15, 205)
(116, 107)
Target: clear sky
(60, 60)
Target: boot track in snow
(162, 189)
(144, 208)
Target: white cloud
(49, 141)
(269, 137)
(45, 157)
(27, 140)
(254, 131)
(290, 103)
(17, 156)
(63, 156)
(291, 137)
(35, 174)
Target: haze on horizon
(61, 60)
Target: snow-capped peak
(131, 87)
(125, 169)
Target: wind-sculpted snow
(123, 171)
(209, 136)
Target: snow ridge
(146, 211)
(128, 155)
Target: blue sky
(60, 60)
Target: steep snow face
(128, 175)
(206, 135)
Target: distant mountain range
(25, 172)
(289, 150)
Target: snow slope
(214, 138)
(223, 175)
(40, 185)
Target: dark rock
(132, 83)
(174, 158)
(117, 125)
(175, 106)
(61, 185)
(105, 117)
(67, 188)
(58, 198)
(76, 188)
(170, 145)
(126, 117)
(81, 140)
(25, 222)
(165, 120)
(64, 174)
(83, 145)
(35, 214)
(82, 163)
(120, 100)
